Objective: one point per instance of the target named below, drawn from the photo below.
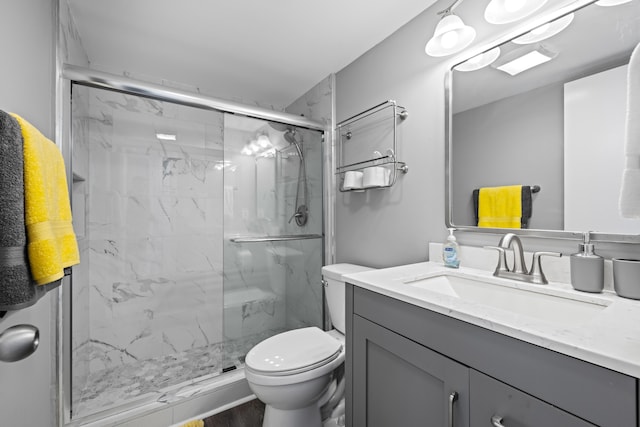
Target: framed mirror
(545, 110)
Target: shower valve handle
(295, 215)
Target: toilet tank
(334, 290)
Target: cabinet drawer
(490, 398)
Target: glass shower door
(147, 297)
(273, 231)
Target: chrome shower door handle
(496, 421)
(452, 400)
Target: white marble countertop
(610, 338)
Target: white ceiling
(265, 51)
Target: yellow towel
(500, 207)
(198, 423)
(51, 242)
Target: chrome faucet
(519, 271)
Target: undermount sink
(567, 309)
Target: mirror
(558, 126)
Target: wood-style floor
(249, 414)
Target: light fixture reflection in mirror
(545, 31)
(611, 2)
(523, 59)
(506, 11)
(479, 61)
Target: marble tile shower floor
(158, 379)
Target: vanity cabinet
(404, 362)
(398, 382)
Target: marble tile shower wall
(154, 222)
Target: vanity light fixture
(451, 34)
(521, 60)
(166, 136)
(611, 2)
(479, 61)
(545, 31)
(506, 11)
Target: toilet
(291, 372)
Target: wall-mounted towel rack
(369, 127)
(535, 188)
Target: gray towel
(17, 290)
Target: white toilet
(291, 372)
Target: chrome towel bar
(283, 238)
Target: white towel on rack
(630, 190)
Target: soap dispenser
(587, 268)
(451, 251)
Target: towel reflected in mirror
(503, 207)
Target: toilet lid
(293, 352)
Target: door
(397, 382)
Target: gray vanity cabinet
(403, 362)
(398, 382)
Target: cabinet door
(495, 404)
(397, 382)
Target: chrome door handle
(496, 421)
(18, 342)
(452, 399)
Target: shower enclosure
(201, 234)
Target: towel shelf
(364, 126)
(378, 161)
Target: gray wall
(391, 227)
(27, 395)
(381, 228)
(517, 140)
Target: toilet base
(307, 417)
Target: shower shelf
(355, 126)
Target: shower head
(290, 136)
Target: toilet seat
(293, 352)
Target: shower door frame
(70, 75)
